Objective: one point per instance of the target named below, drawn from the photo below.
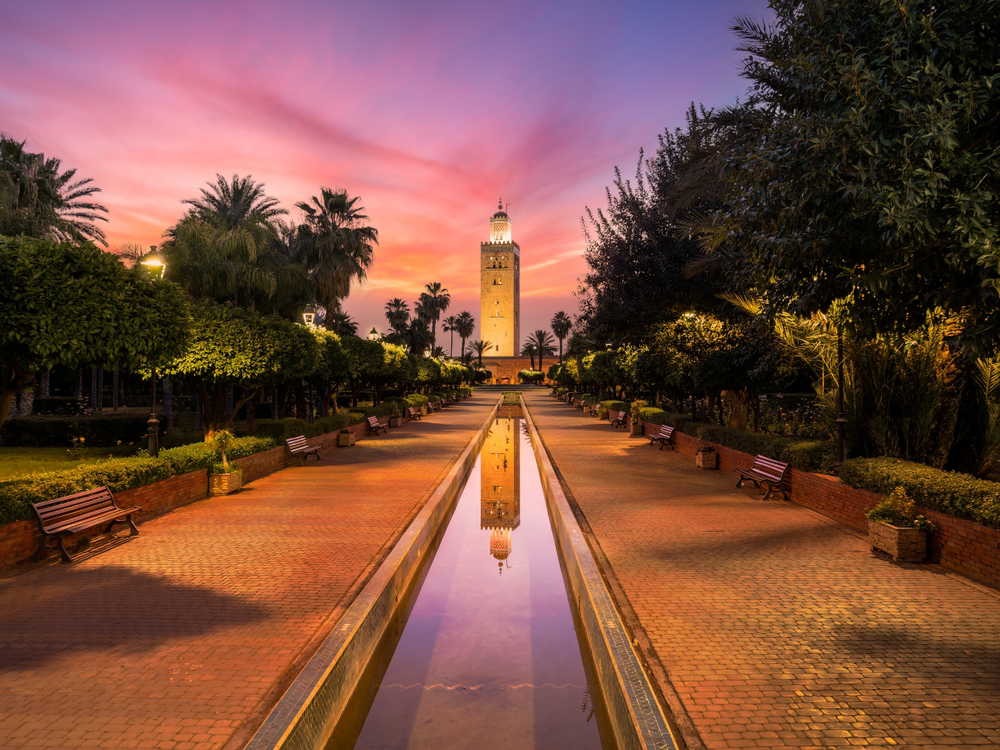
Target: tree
(337, 244)
(397, 312)
(480, 347)
(529, 350)
(449, 325)
(875, 171)
(65, 304)
(233, 347)
(561, 325)
(340, 322)
(542, 341)
(38, 201)
(433, 302)
(238, 203)
(464, 326)
(331, 369)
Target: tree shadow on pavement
(57, 612)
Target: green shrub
(279, 429)
(465, 391)
(356, 417)
(802, 453)
(103, 430)
(417, 400)
(948, 492)
(613, 407)
(897, 509)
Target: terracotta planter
(395, 421)
(706, 460)
(903, 543)
(346, 439)
(636, 428)
(223, 484)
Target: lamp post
(153, 260)
(841, 419)
(309, 316)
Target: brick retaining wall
(963, 546)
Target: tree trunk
(93, 387)
(274, 402)
(44, 378)
(100, 389)
(250, 412)
(300, 402)
(168, 404)
(738, 403)
(198, 407)
(282, 393)
(229, 404)
(114, 389)
(78, 395)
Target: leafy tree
(341, 323)
(38, 201)
(73, 305)
(233, 347)
(397, 312)
(449, 325)
(337, 244)
(365, 363)
(874, 174)
(433, 302)
(237, 203)
(331, 369)
(561, 325)
(464, 326)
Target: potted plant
(634, 410)
(895, 527)
(222, 478)
(705, 456)
(395, 417)
(346, 438)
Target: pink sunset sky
(429, 111)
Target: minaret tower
(500, 290)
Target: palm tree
(529, 350)
(337, 244)
(541, 340)
(340, 323)
(418, 336)
(561, 324)
(479, 347)
(238, 203)
(36, 200)
(449, 325)
(464, 327)
(433, 302)
(397, 312)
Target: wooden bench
(72, 514)
(595, 409)
(413, 412)
(618, 420)
(772, 474)
(665, 435)
(374, 426)
(580, 404)
(300, 449)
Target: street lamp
(374, 335)
(154, 260)
(309, 316)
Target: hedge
(802, 453)
(118, 474)
(103, 430)
(615, 406)
(417, 400)
(948, 492)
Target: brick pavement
(183, 637)
(773, 626)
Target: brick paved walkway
(777, 627)
(184, 636)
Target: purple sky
(429, 111)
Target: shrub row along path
(773, 626)
(184, 637)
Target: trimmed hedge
(682, 422)
(118, 474)
(417, 400)
(104, 430)
(802, 453)
(615, 406)
(948, 492)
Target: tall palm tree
(418, 336)
(529, 350)
(340, 323)
(239, 202)
(433, 302)
(397, 312)
(542, 341)
(479, 347)
(449, 325)
(561, 325)
(338, 244)
(39, 201)
(464, 327)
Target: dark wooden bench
(374, 426)
(595, 409)
(300, 449)
(580, 404)
(414, 413)
(72, 514)
(768, 472)
(665, 435)
(618, 420)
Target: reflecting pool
(489, 656)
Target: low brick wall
(963, 546)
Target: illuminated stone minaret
(500, 472)
(500, 290)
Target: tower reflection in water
(500, 467)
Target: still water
(489, 656)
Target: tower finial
(500, 204)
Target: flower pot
(905, 544)
(636, 430)
(346, 438)
(706, 460)
(223, 484)
(395, 421)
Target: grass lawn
(19, 461)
